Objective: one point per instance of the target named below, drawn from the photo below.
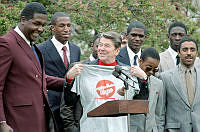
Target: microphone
(119, 70)
(117, 75)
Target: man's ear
(23, 20)
(52, 28)
(140, 61)
(146, 36)
(178, 53)
(168, 36)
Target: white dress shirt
(59, 47)
(22, 35)
(131, 55)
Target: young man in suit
(54, 57)
(23, 83)
(181, 91)
(136, 35)
(151, 90)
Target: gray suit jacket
(179, 115)
(166, 61)
(150, 122)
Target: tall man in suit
(136, 34)
(182, 91)
(169, 58)
(23, 96)
(54, 57)
(151, 89)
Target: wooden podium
(120, 108)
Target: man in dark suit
(23, 96)
(54, 57)
(136, 35)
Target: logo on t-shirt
(105, 89)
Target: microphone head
(116, 74)
(118, 68)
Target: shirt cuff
(69, 80)
(2, 122)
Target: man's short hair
(31, 8)
(177, 24)
(114, 37)
(136, 24)
(186, 40)
(150, 52)
(56, 15)
(96, 37)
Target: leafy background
(90, 17)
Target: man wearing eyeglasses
(150, 90)
(136, 35)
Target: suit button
(44, 105)
(36, 76)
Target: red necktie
(65, 56)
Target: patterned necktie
(190, 88)
(65, 56)
(135, 60)
(177, 60)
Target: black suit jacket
(123, 56)
(54, 66)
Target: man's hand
(138, 72)
(75, 71)
(5, 128)
(121, 91)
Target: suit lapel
(169, 60)
(152, 92)
(27, 49)
(72, 55)
(177, 85)
(197, 88)
(124, 57)
(55, 57)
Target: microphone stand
(126, 98)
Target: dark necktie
(33, 48)
(65, 56)
(135, 60)
(177, 60)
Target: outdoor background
(90, 17)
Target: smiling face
(62, 29)
(107, 51)
(188, 53)
(136, 38)
(32, 28)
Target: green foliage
(105, 15)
